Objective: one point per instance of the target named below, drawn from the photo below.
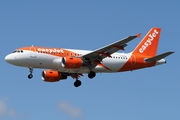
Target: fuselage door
(133, 60)
(33, 52)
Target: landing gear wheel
(30, 70)
(91, 74)
(30, 76)
(77, 83)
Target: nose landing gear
(30, 75)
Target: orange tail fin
(148, 46)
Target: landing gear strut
(77, 83)
(92, 74)
(30, 75)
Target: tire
(91, 74)
(77, 83)
(30, 76)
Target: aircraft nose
(9, 58)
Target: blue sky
(146, 94)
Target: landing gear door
(33, 52)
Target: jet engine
(71, 62)
(52, 76)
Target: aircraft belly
(100, 69)
(77, 70)
(113, 64)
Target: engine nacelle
(71, 62)
(52, 76)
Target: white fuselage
(33, 59)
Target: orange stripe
(136, 62)
(100, 64)
(51, 51)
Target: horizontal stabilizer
(158, 57)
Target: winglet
(138, 35)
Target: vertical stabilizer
(148, 46)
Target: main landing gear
(77, 83)
(30, 75)
(92, 74)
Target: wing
(100, 54)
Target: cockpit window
(18, 51)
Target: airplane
(62, 63)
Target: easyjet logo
(49, 50)
(148, 41)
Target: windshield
(18, 51)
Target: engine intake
(71, 62)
